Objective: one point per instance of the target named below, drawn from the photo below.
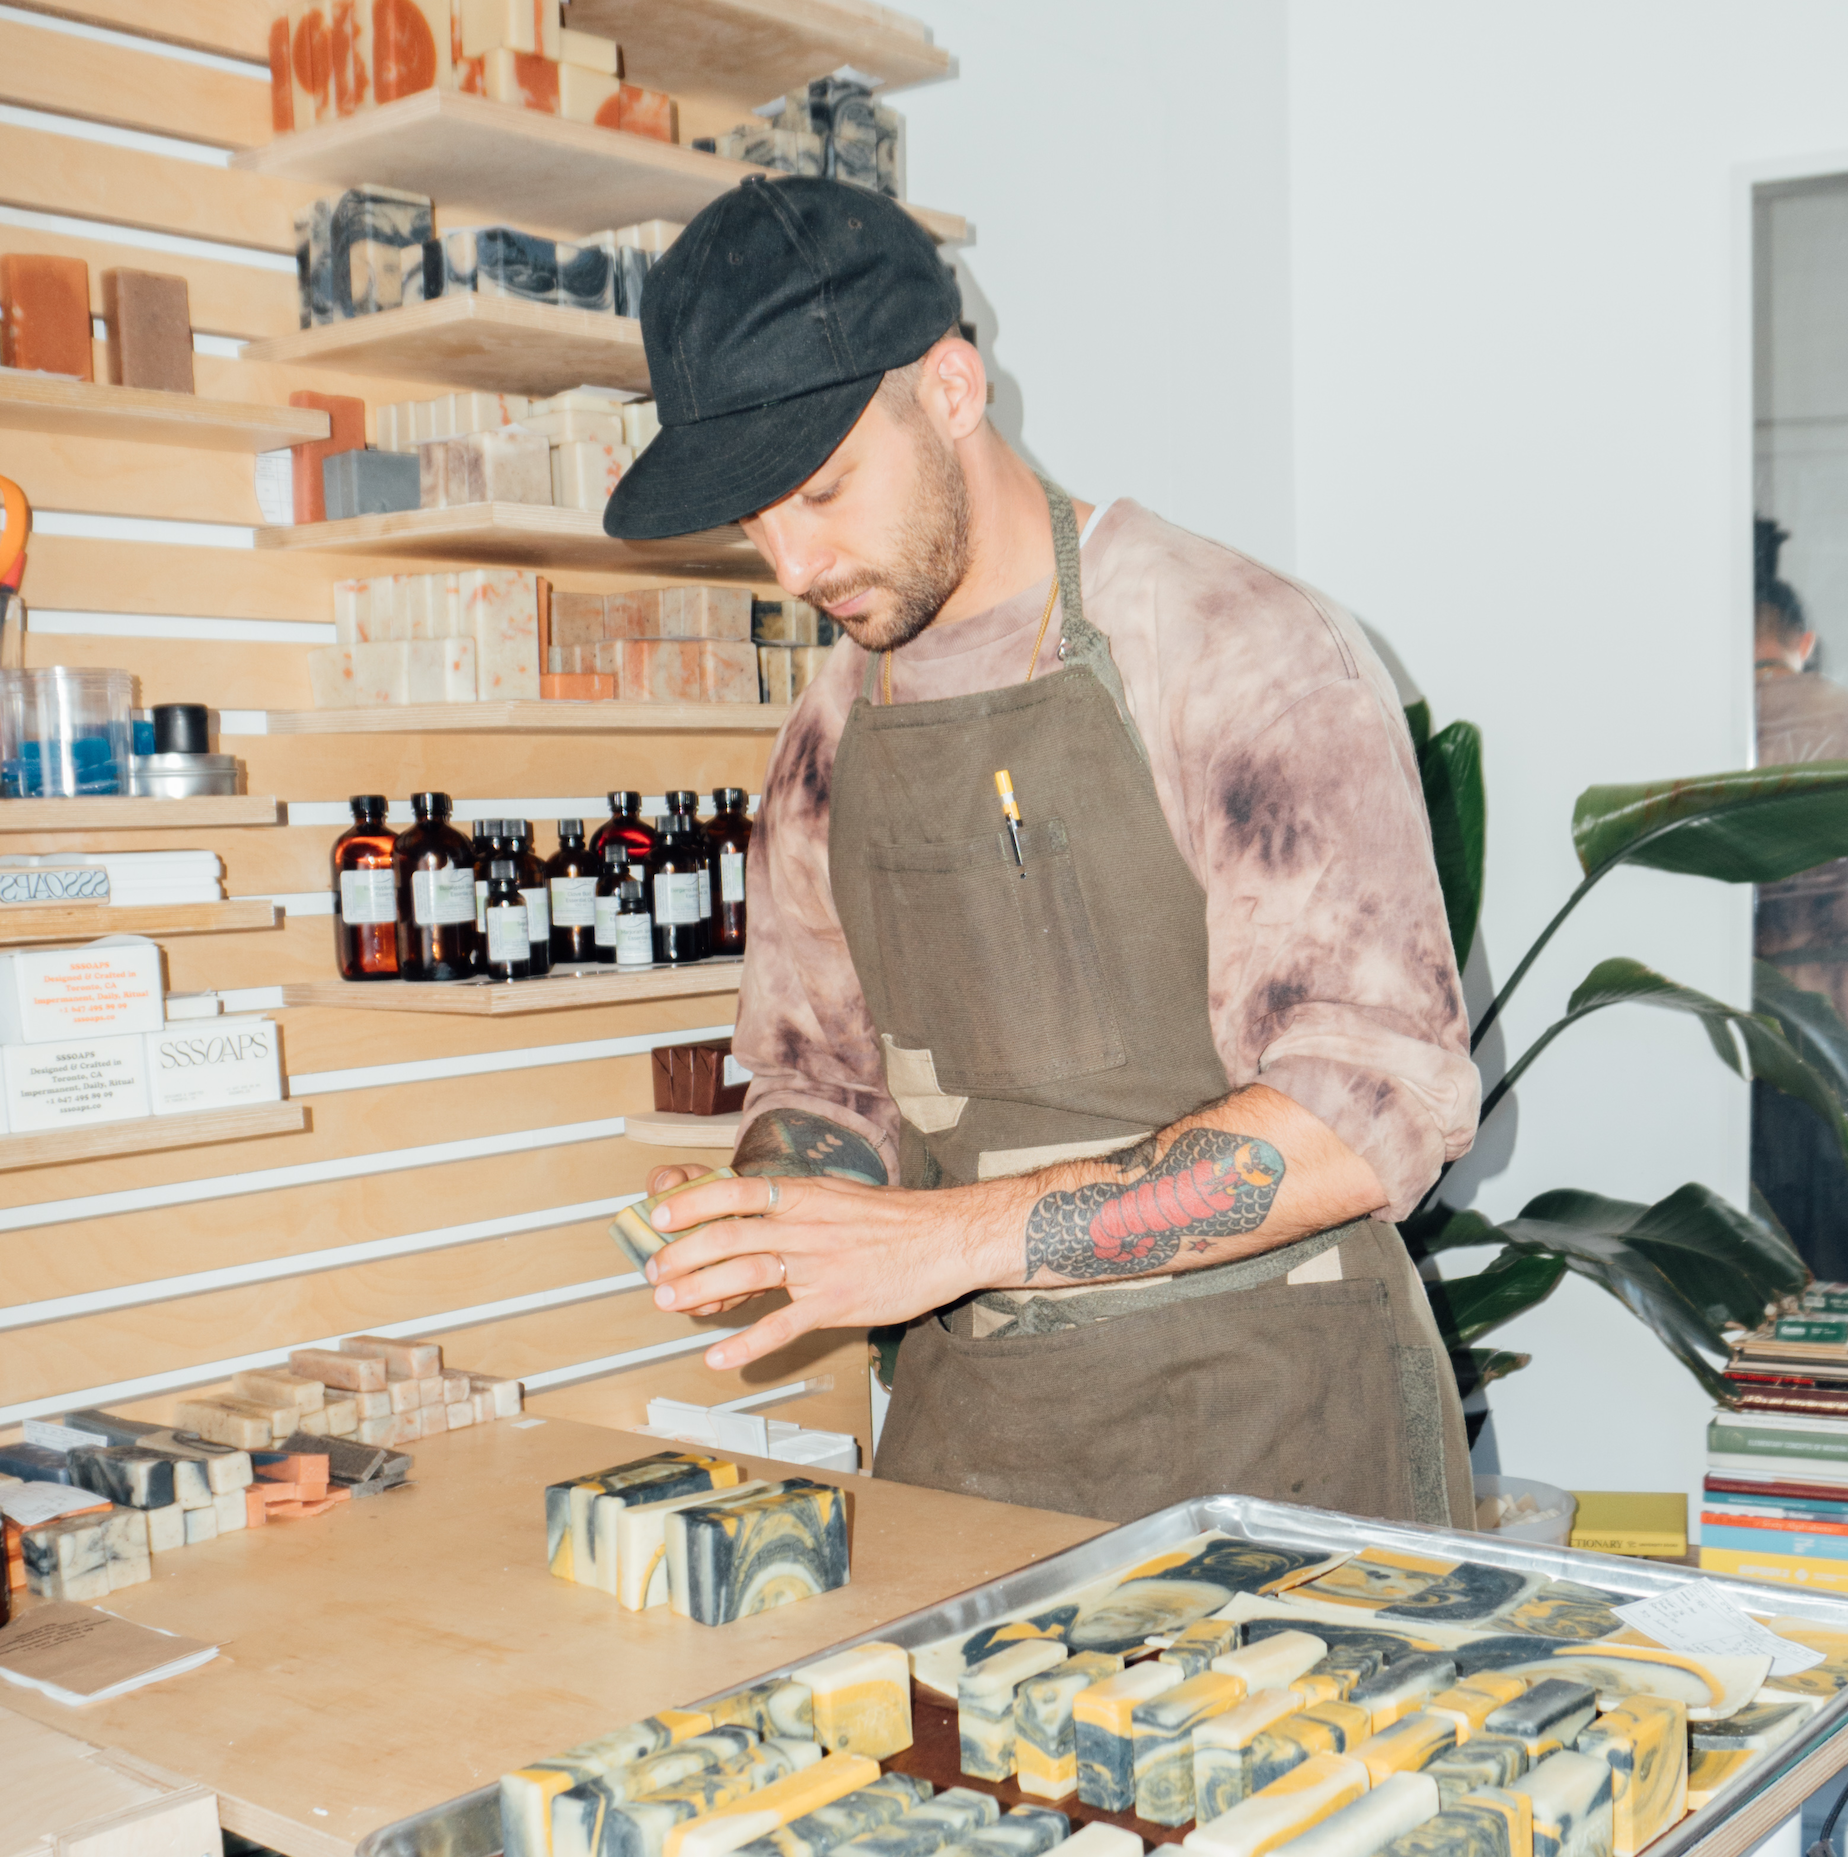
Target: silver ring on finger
(782, 1264)
(776, 1198)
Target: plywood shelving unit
(30, 922)
(113, 813)
(150, 1135)
(89, 409)
(490, 1000)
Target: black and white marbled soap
(516, 264)
(747, 1557)
(136, 1479)
(586, 279)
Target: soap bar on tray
(1045, 1738)
(985, 1705)
(861, 1700)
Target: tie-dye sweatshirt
(1284, 770)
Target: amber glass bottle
(365, 896)
(529, 873)
(728, 832)
(678, 872)
(571, 875)
(627, 828)
(508, 951)
(434, 866)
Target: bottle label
(731, 876)
(481, 906)
(574, 901)
(634, 941)
(676, 897)
(538, 915)
(507, 933)
(368, 896)
(705, 893)
(638, 873)
(441, 897)
(609, 913)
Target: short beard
(931, 559)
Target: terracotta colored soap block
(412, 47)
(282, 96)
(1645, 1745)
(522, 79)
(727, 672)
(150, 330)
(926, 1829)
(293, 1467)
(1275, 1662)
(985, 1698)
(348, 433)
(276, 1388)
(353, 1373)
(766, 1808)
(1162, 1732)
(1408, 1746)
(1486, 1761)
(46, 305)
(1316, 1790)
(1388, 1809)
(576, 687)
(1196, 1645)
(646, 112)
(1485, 1824)
(1572, 1795)
(311, 63)
(1103, 1726)
(731, 1561)
(861, 1700)
(256, 1510)
(1045, 1738)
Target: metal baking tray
(1729, 1827)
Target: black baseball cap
(768, 324)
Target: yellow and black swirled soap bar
(731, 1560)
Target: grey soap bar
(351, 1463)
(369, 483)
(1554, 1707)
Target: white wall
(1498, 403)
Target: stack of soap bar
(567, 1505)
(986, 1700)
(45, 315)
(1571, 1796)
(1045, 1738)
(1305, 1796)
(351, 250)
(785, 671)
(133, 1478)
(928, 1829)
(1223, 1750)
(728, 1562)
(642, 1550)
(509, 465)
(86, 1557)
(1162, 1731)
(239, 1422)
(1645, 1745)
(1103, 1726)
(861, 1700)
(150, 330)
(1761, 1725)
(632, 1807)
(346, 418)
(762, 1811)
(1388, 1809)
(818, 1832)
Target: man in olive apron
(1099, 997)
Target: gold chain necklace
(1032, 662)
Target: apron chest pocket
(995, 972)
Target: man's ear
(954, 387)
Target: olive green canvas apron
(1056, 1007)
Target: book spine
(1779, 1521)
(1779, 1569)
(1777, 1541)
(1647, 1547)
(1820, 1472)
(1762, 1441)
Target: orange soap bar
(47, 315)
(578, 687)
(256, 1510)
(347, 417)
(645, 112)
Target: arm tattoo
(791, 1141)
(1208, 1185)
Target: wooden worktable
(402, 1650)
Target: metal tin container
(1733, 1824)
(184, 776)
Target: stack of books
(1775, 1502)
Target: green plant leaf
(1450, 769)
(1418, 720)
(1443, 1228)
(1809, 1021)
(1476, 1367)
(1755, 826)
(1468, 1307)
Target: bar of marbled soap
(1386, 1810)
(1487, 1761)
(985, 1704)
(67, 1558)
(1300, 1737)
(1316, 1790)
(730, 1561)
(137, 1479)
(1161, 1743)
(928, 1829)
(1408, 1746)
(756, 1816)
(1103, 1726)
(1275, 1662)
(1486, 1824)
(1552, 1710)
(631, 1539)
(567, 1505)
(629, 1812)
(1571, 1794)
(861, 1700)
(1022, 1831)
(780, 1707)
(632, 1227)
(1196, 1645)
(820, 1831)
(1710, 1772)
(1759, 1725)
(1098, 1839)
(1470, 1704)
(1222, 1750)
(1400, 1688)
(1645, 1745)
(1045, 1743)
(526, 1796)
(1349, 1666)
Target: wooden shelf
(486, 999)
(476, 156)
(119, 813)
(521, 535)
(499, 344)
(146, 1134)
(87, 409)
(81, 921)
(535, 719)
(658, 1128)
(756, 48)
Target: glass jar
(435, 870)
(365, 894)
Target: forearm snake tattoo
(1209, 1184)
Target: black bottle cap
(728, 799)
(181, 728)
(520, 831)
(683, 800)
(481, 831)
(368, 808)
(431, 805)
(501, 867)
(631, 890)
(625, 803)
(570, 828)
